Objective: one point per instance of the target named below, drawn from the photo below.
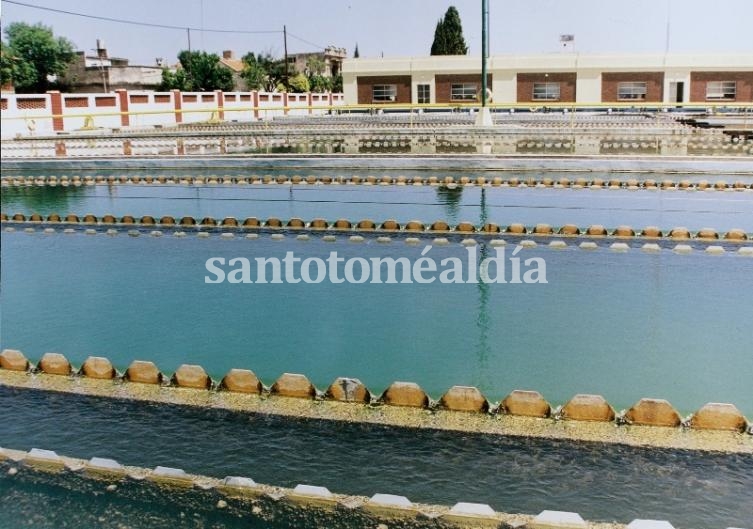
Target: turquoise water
(600, 481)
(667, 209)
(622, 325)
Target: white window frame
(546, 91)
(721, 90)
(384, 93)
(632, 91)
(464, 92)
(422, 99)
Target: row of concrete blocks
(647, 412)
(496, 181)
(556, 244)
(379, 506)
(390, 225)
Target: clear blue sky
(399, 28)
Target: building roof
(234, 64)
(550, 62)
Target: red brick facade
(743, 85)
(178, 104)
(654, 86)
(125, 118)
(566, 81)
(443, 86)
(366, 87)
(56, 102)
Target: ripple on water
(601, 482)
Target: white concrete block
(472, 509)
(649, 524)
(391, 500)
(558, 520)
(311, 490)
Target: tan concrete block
(98, 367)
(54, 364)
(526, 403)
(241, 381)
(294, 385)
(348, 390)
(191, 376)
(143, 373)
(464, 398)
(13, 360)
(405, 394)
(653, 412)
(588, 408)
(718, 416)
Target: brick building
(550, 79)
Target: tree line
(201, 72)
(34, 60)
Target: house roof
(234, 64)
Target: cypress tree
(356, 55)
(448, 35)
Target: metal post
(285, 44)
(484, 47)
(484, 118)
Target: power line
(307, 41)
(146, 24)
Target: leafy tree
(448, 35)
(255, 76)
(33, 55)
(263, 72)
(319, 83)
(7, 62)
(337, 83)
(177, 80)
(299, 83)
(356, 55)
(315, 65)
(200, 72)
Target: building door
(677, 92)
(423, 93)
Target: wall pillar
(311, 103)
(220, 96)
(255, 101)
(125, 118)
(60, 149)
(56, 102)
(285, 102)
(178, 105)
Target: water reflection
(450, 197)
(44, 199)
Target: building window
(720, 90)
(635, 90)
(463, 92)
(384, 93)
(424, 93)
(546, 91)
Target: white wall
(147, 109)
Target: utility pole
(484, 118)
(188, 32)
(484, 47)
(285, 44)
